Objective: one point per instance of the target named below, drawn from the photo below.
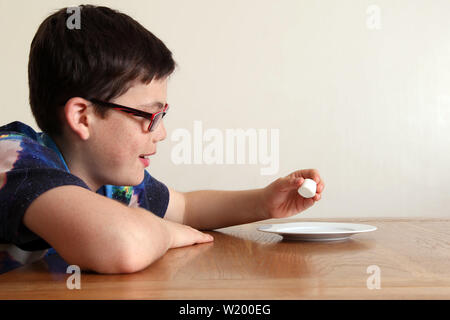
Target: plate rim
(369, 228)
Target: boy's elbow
(123, 264)
(130, 262)
(122, 261)
(124, 254)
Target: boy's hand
(281, 198)
(182, 235)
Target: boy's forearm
(214, 209)
(97, 233)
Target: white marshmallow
(308, 188)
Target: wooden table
(243, 263)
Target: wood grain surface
(244, 263)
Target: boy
(80, 186)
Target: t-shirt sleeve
(27, 170)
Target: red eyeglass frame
(136, 112)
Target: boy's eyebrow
(158, 104)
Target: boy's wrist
(160, 224)
(168, 234)
(263, 212)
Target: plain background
(369, 108)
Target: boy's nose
(160, 132)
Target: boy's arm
(213, 209)
(177, 206)
(101, 234)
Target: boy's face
(116, 143)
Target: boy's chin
(135, 180)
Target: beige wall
(369, 108)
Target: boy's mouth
(146, 156)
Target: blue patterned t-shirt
(30, 164)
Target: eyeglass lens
(156, 121)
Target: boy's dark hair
(99, 60)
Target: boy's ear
(79, 117)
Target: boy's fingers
(207, 237)
(289, 182)
(320, 187)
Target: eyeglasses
(154, 118)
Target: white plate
(316, 231)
